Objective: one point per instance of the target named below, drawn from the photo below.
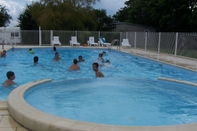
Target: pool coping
(34, 119)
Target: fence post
(135, 37)
(76, 33)
(176, 43)
(159, 42)
(120, 39)
(126, 35)
(40, 36)
(51, 37)
(146, 37)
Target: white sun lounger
(55, 41)
(73, 41)
(102, 42)
(91, 42)
(125, 43)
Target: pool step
(3, 105)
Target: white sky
(15, 7)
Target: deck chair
(102, 42)
(91, 42)
(55, 41)
(125, 43)
(73, 41)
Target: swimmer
(54, 48)
(97, 72)
(31, 51)
(74, 66)
(36, 60)
(100, 58)
(103, 53)
(10, 75)
(80, 59)
(3, 53)
(56, 57)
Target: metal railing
(177, 44)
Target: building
(130, 27)
(10, 35)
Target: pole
(40, 36)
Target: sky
(15, 7)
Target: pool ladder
(112, 43)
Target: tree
(165, 15)
(4, 17)
(26, 21)
(103, 21)
(63, 14)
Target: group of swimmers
(11, 76)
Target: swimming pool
(122, 66)
(125, 102)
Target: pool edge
(34, 119)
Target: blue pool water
(122, 66)
(129, 102)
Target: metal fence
(178, 44)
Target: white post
(120, 42)
(135, 40)
(40, 36)
(76, 34)
(51, 37)
(176, 43)
(159, 42)
(146, 37)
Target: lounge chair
(55, 41)
(73, 41)
(125, 43)
(91, 42)
(102, 42)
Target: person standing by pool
(74, 66)
(56, 57)
(3, 53)
(10, 75)
(97, 72)
(36, 60)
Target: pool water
(128, 102)
(122, 66)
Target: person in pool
(97, 72)
(100, 58)
(56, 57)
(36, 60)
(54, 48)
(31, 51)
(74, 66)
(80, 59)
(10, 75)
(3, 53)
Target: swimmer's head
(95, 66)
(36, 59)
(107, 61)
(54, 48)
(75, 61)
(100, 55)
(10, 75)
(104, 53)
(30, 49)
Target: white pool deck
(7, 123)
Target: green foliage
(4, 17)
(164, 15)
(26, 21)
(103, 21)
(59, 15)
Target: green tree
(165, 15)
(63, 14)
(4, 16)
(103, 21)
(26, 21)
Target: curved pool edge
(34, 119)
(178, 81)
